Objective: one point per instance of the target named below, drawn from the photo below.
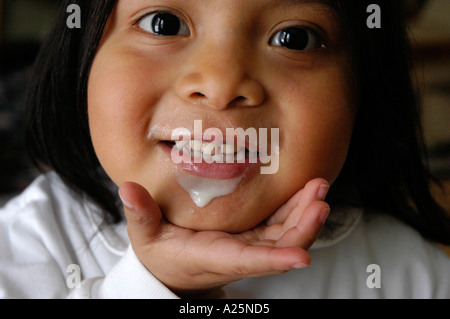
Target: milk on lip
(203, 190)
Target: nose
(216, 75)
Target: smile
(214, 162)
(210, 152)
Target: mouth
(211, 159)
(212, 152)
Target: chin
(241, 210)
(226, 214)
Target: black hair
(56, 121)
(386, 166)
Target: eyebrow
(327, 3)
(329, 8)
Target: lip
(211, 170)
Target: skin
(227, 73)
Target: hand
(190, 262)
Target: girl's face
(162, 64)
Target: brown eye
(298, 39)
(163, 24)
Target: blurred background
(24, 24)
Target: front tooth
(196, 145)
(229, 158)
(217, 158)
(240, 156)
(208, 158)
(197, 154)
(229, 149)
(210, 149)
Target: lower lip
(213, 170)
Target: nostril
(239, 101)
(197, 95)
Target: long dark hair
(387, 160)
(386, 167)
(56, 124)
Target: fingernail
(323, 191)
(299, 266)
(126, 203)
(324, 215)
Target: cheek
(119, 110)
(319, 126)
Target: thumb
(142, 213)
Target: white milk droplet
(204, 190)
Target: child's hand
(190, 262)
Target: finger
(245, 260)
(265, 260)
(283, 212)
(315, 190)
(308, 227)
(142, 213)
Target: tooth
(180, 144)
(252, 149)
(252, 154)
(218, 158)
(196, 145)
(229, 149)
(240, 156)
(210, 149)
(197, 155)
(208, 158)
(229, 158)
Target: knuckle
(136, 219)
(241, 270)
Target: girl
(106, 98)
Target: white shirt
(53, 245)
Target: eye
(163, 24)
(296, 38)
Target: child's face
(231, 64)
